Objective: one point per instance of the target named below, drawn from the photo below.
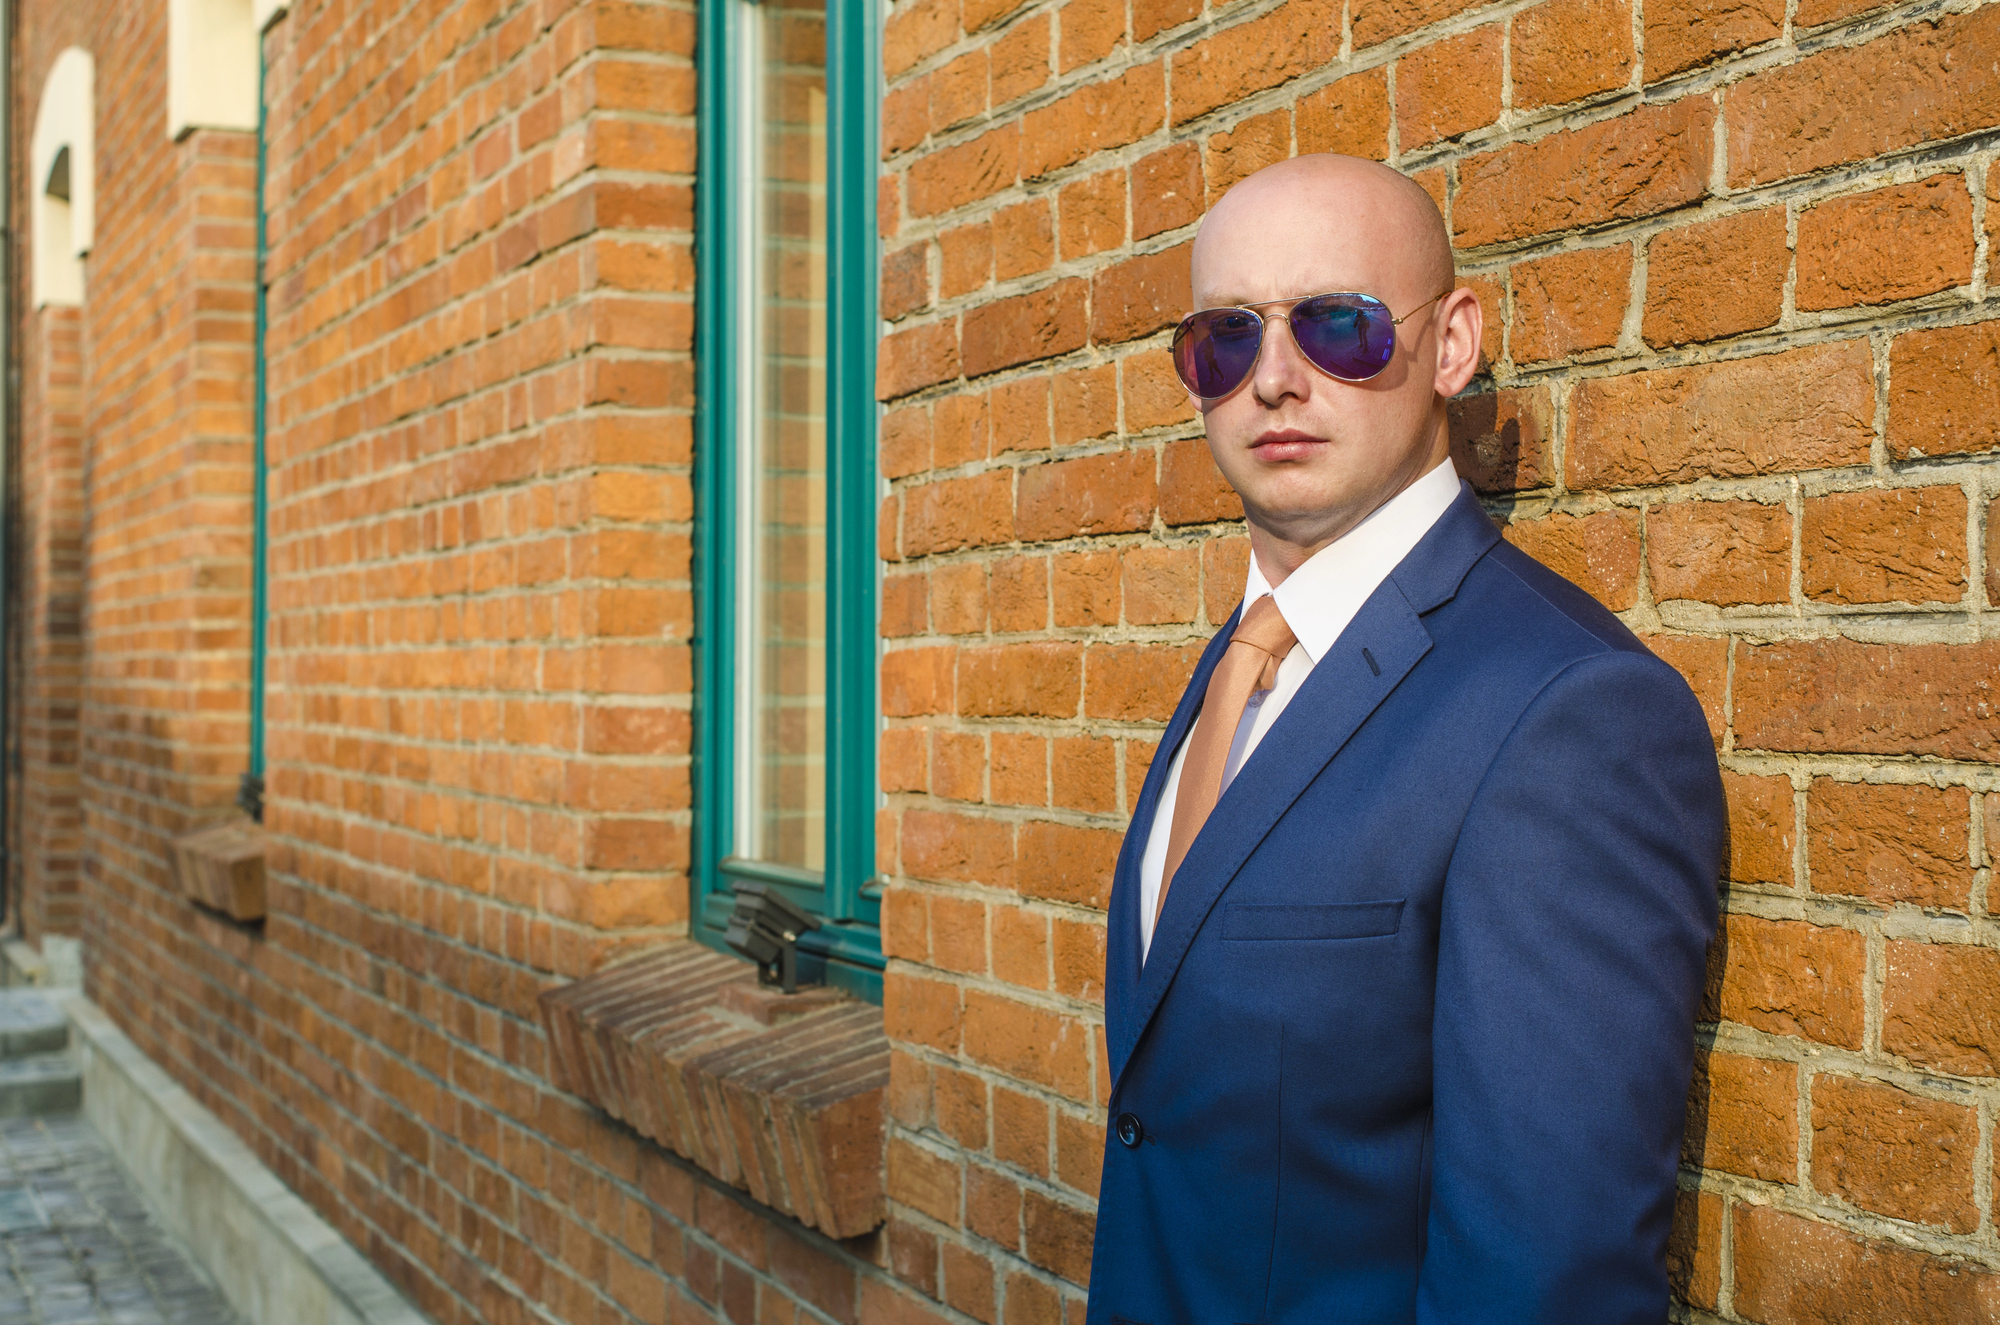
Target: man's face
(1312, 455)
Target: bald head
(1300, 211)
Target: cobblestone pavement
(79, 1245)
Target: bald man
(1407, 935)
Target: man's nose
(1282, 369)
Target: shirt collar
(1322, 596)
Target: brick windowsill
(782, 1097)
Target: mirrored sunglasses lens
(1347, 335)
(1214, 350)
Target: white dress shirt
(1318, 600)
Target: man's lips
(1285, 444)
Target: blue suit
(1413, 1040)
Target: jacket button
(1130, 1130)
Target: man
(1407, 936)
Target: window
(63, 170)
(786, 483)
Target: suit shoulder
(1508, 581)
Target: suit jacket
(1413, 1040)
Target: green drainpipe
(250, 791)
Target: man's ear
(1461, 326)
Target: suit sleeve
(1575, 922)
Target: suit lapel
(1121, 958)
(1369, 660)
(1338, 695)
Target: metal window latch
(765, 927)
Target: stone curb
(276, 1261)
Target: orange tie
(1261, 641)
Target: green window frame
(728, 193)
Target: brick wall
(1734, 267)
(1739, 387)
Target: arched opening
(63, 165)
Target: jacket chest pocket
(1254, 921)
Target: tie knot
(1263, 627)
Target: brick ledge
(682, 1046)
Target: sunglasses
(1348, 336)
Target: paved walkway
(79, 1245)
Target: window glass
(782, 529)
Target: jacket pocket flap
(1335, 920)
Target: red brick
(1905, 545)
(1704, 662)
(1192, 489)
(969, 1285)
(1086, 588)
(1020, 59)
(1028, 1043)
(906, 282)
(916, 681)
(1066, 864)
(1895, 1153)
(1727, 553)
(1296, 38)
(1598, 553)
(1890, 843)
(1349, 115)
(1086, 404)
(1153, 394)
(1225, 567)
(1020, 680)
(1078, 953)
(1020, 948)
(1449, 87)
(957, 513)
(1796, 1271)
(1570, 302)
(958, 943)
(1058, 1237)
(958, 90)
(1681, 34)
(1027, 327)
(1647, 161)
(1916, 84)
(1938, 383)
(1243, 150)
(1089, 30)
(1160, 585)
(1093, 214)
(1140, 296)
(1743, 1117)
(1024, 240)
(1716, 278)
(966, 260)
(906, 117)
(1499, 439)
(958, 766)
(916, 30)
(963, 174)
(1694, 1249)
(1095, 118)
(1021, 415)
(1379, 20)
(1020, 769)
(1168, 191)
(1137, 682)
(1889, 244)
(1084, 773)
(960, 431)
(1762, 829)
(1803, 409)
(1018, 594)
(957, 848)
(1941, 1007)
(1100, 494)
(1564, 50)
(1826, 695)
(1789, 978)
(919, 357)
